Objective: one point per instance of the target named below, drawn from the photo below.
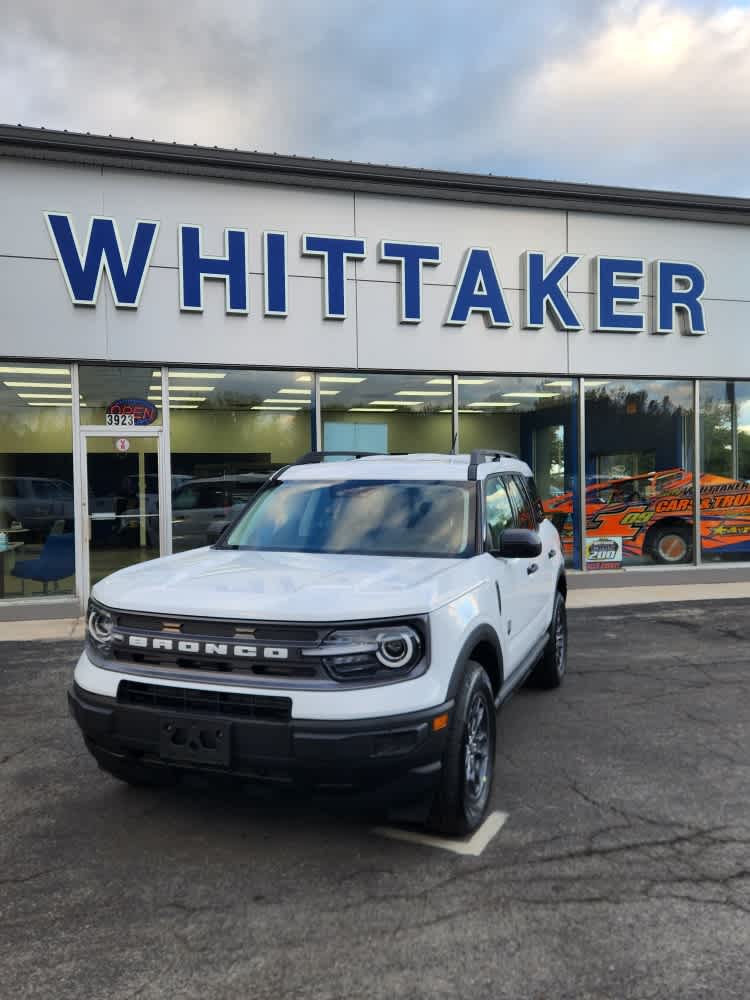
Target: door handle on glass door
(532, 569)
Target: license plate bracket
(196, 741)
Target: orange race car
(651, 515)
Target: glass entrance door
(120, 502)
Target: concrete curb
(615, 597)
(54, 629)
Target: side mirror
(518, 543)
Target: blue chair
(55, 562)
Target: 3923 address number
(120, 419)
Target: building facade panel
(216, 205)
(721, 251)
(456, 226)
(386, 343)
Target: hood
(284, 586)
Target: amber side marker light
(441, 722)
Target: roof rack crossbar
(313, 457)
(480, 455)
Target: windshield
(363, 517)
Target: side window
(534, 497)
(240, 493)
(525, 517)
(212, 496)
(185, 499)
(499, 512)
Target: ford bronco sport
(357, 625)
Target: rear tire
(463, 796)
(672, 544)
(550, 670)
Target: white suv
(356, 626)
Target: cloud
(660, 97)
(621, 91)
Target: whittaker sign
(619, 305)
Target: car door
(537, 580)
(185, 501)
(510, 576)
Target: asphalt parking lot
(622, 871)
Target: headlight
(100, 625)
(366, 652)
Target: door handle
(532, 569)
(552, 553)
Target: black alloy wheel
(468, 766)
(550, 670)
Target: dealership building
(179, 321)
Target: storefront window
(386, 413)
(112, 394)
(229, 430)
(725, 471)
(536, 419)
(37, 542)
(639, 479)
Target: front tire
(672, 544)
(550, 670)
(462, 799)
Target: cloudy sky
(648, 93)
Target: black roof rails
(480, 455)
(312, 457)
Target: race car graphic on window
(652, 514)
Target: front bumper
(361, 755)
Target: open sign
(140, 410)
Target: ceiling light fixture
(461, 381)
(174, 374)
(38, 385)
(66, 405)
(396, 402)
(495, 404)
(531, 395)
(45, 395)
(179, 399)
(187, 388)
(284, 402)
(421, 392)
(277, 408)
(372, 409)
(34, 371)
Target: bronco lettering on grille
(204, 648)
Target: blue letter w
(102, 252)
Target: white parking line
(472, 846)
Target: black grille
(202, 702)
(214, 664)
(208, 628)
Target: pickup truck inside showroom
(357, 626)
